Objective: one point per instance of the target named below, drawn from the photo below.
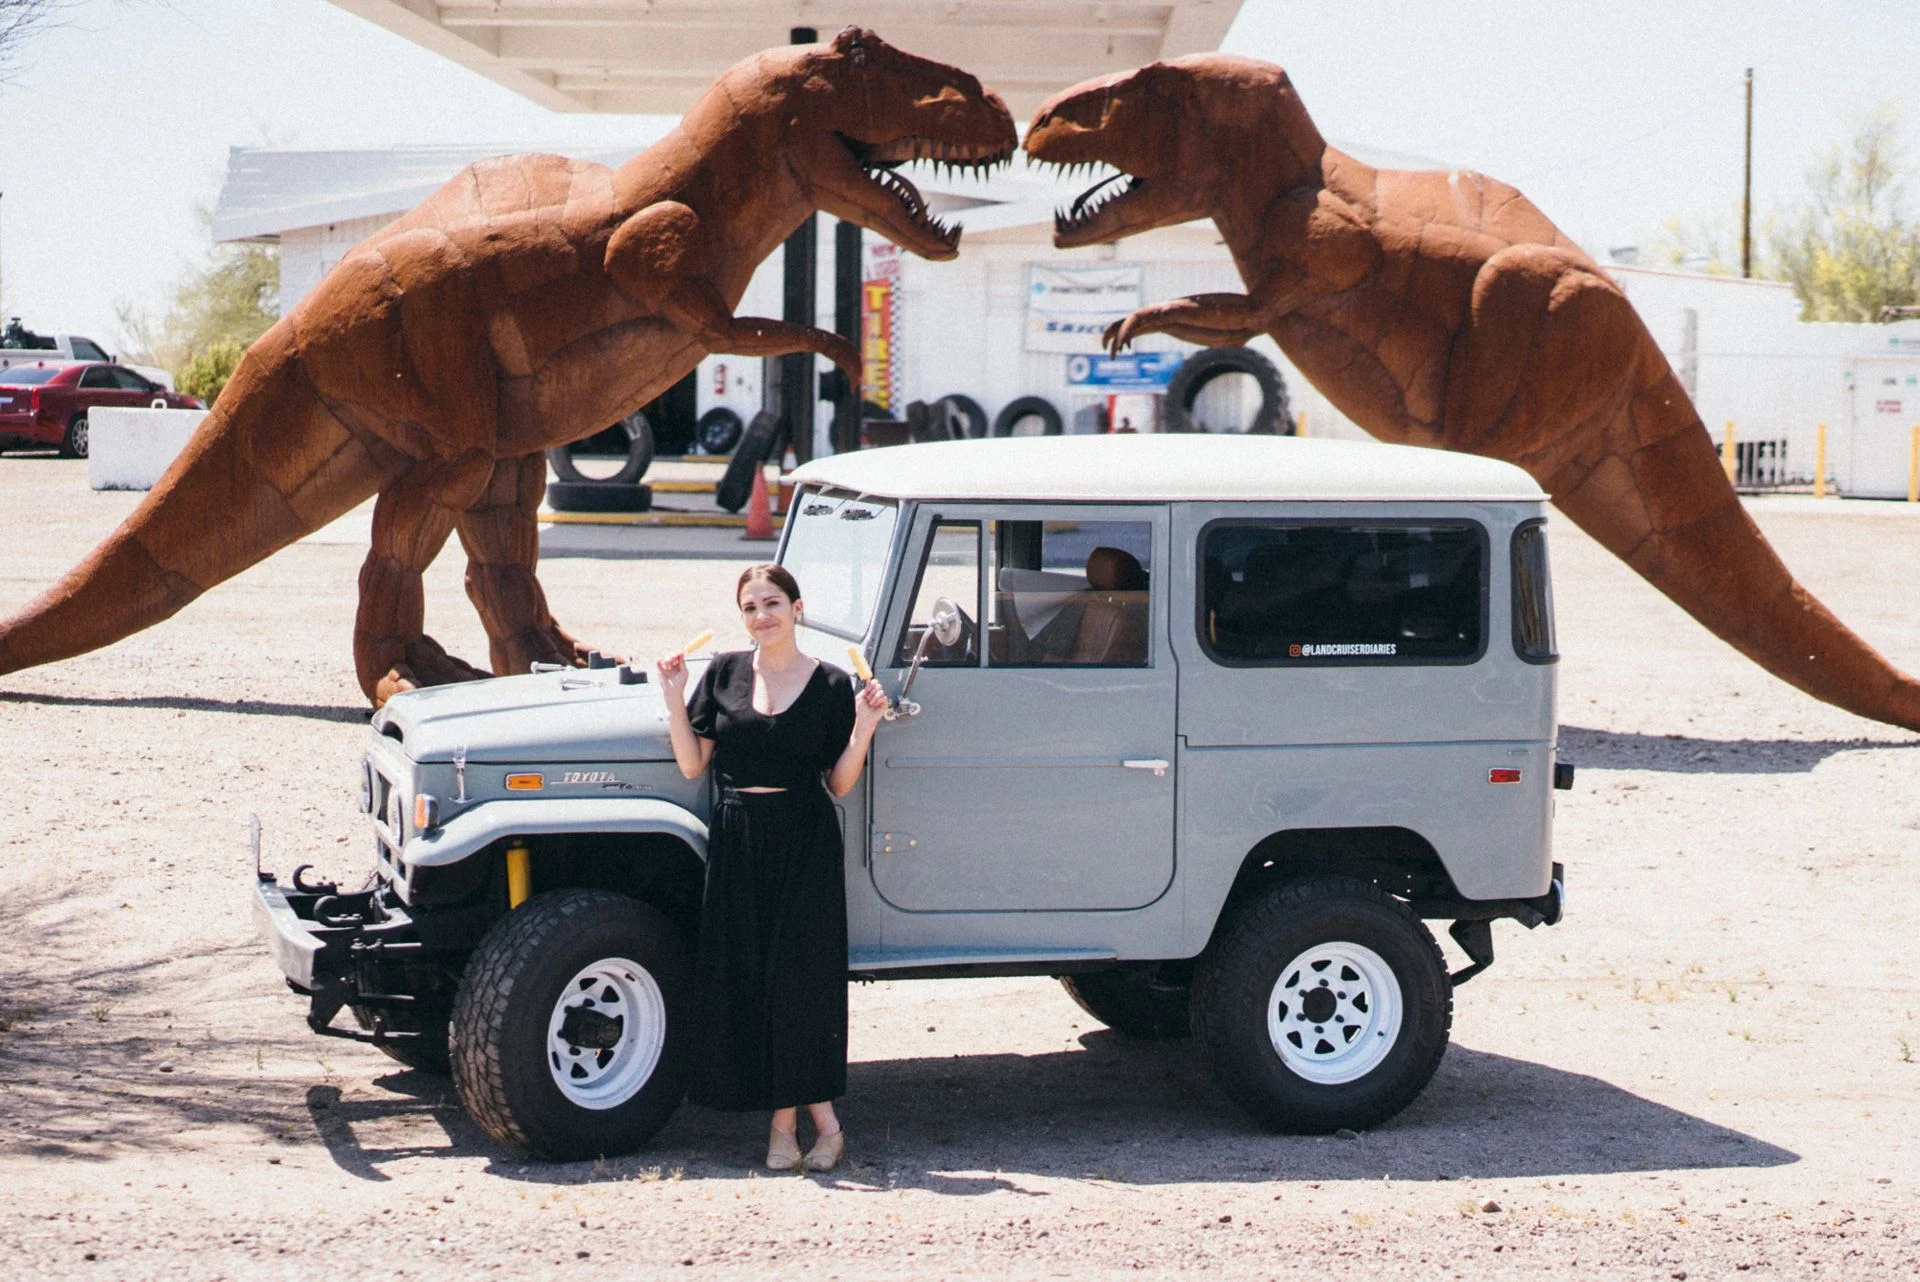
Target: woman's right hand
(673, 674)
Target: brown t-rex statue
(1440, 308)
(528, 303)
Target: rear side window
(87, 350)
(29, 375)
(1532, 595)
(1351, 593)
(99, 376)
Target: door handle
(1155, 764)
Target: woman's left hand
(870, 705)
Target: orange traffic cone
(759, 517)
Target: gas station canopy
(654, 56)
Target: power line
(1689, 113)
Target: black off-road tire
(505, 1002)
(756, 444)
(1028, 407)
(598, 496)
(1237, 978)
(1144, 1002)
(639, 434)
(76, 440)
(1274, 416)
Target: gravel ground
(1706, 1071)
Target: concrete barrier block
(128, 449)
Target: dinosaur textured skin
(1440, 308)
(526, 304)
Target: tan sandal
(827, 1151)
(783, 1151)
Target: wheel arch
(645, 848)
(1398, 860)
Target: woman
(771, 975)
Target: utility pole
(798, 266)
(1746, 191)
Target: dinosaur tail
(269, 465)
(1663, 504)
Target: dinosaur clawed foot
(521, 651)
(425, 663)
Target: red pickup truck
(47, 404)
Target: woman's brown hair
(768, 572)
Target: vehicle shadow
(183, 703)
(1683, 754)
(1112, 1110)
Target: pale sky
(1610, 115)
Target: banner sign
(879, 326)
(1069, 308)
(1128, 372)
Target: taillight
(1502, 774)
(33, 402)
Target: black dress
(770, 977)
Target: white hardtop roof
(1161, 468)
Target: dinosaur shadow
(186, 703)
(1114, 1110)
(1683, 754)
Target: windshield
(837, 550)
(27, 375)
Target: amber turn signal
(426, 813)
(526, 783)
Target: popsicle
(697, 643)
(860, 668)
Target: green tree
(230, 298)
(1711, 246)
(209, 369)
(1853, 249)
(1850, 248)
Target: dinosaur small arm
(1441, 308)
(528, 303)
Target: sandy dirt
(1708, 1070)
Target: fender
(475, 829)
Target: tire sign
(879, 326)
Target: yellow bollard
(519, 875)
(1913, 464)
(1300, 428)
(1728, 458)
(1820, 462)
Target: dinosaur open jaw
(878, 163)
(1097, 203)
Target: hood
(576, 715)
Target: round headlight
(366, 787)
(396, 813)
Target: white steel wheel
(606, 1033)
(1334, 1014)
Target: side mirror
(944, 627)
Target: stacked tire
(575, 491)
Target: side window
(130, 381)
(85, 349)
(98, 376)
(1532, 595)
(1343, 594)
(952, 570)
(1071, 593)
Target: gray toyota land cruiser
(1207, 727)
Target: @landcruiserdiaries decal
(1342, 650)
